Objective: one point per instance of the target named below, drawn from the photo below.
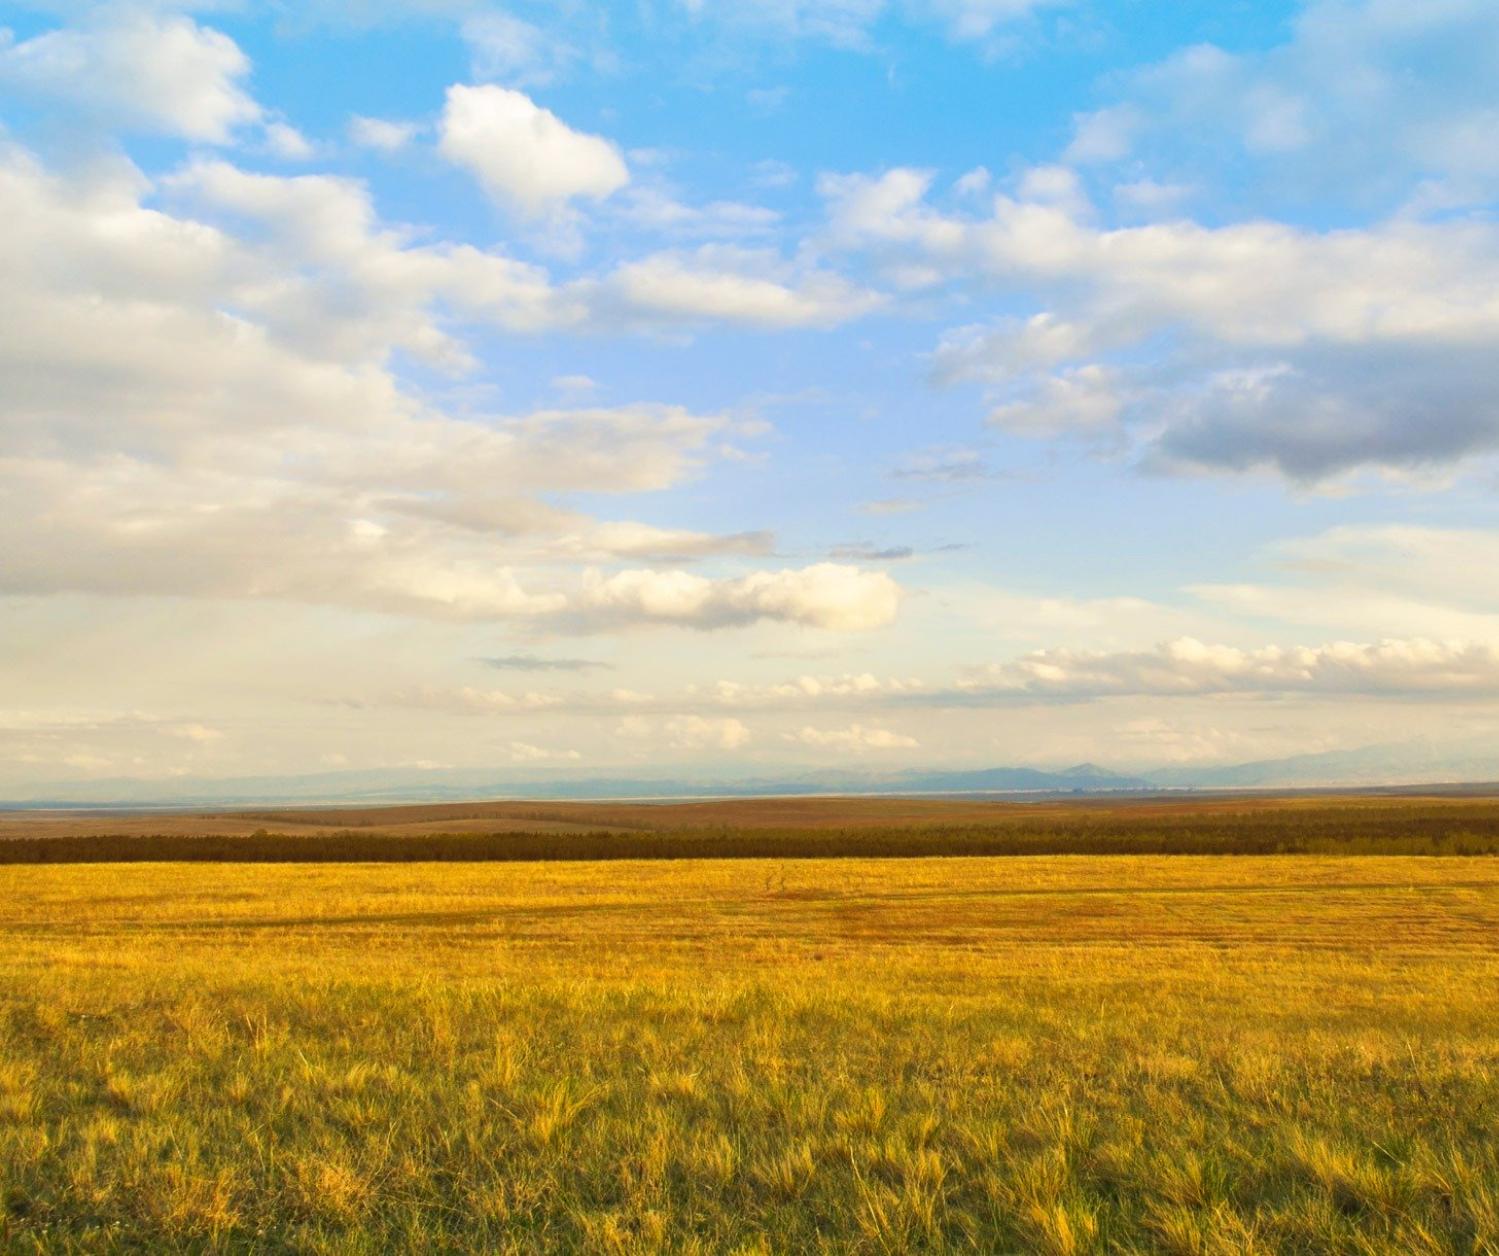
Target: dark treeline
(1351, 829)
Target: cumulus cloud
(1311, 353)
(826, 595)
(169, 446)
(1083, 400)
(137, 69)
(1186, 667)
(525, 157)
(1311, 415)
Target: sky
(729, 388)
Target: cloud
(944, 466)
(62, 742)
(382, 134)
(865, 552)
(1362, 100)
(137, 70)
(1435, 564)
(723, 283)
(524, 156)
(1103, 135)
(506, 48)
(1082, 400)
(891, 506)
(468, 700)
(1009, 348)
(854, 737)
(697, 732)
(1188, 667)
(338, 269)
(829, 596)
(577, 385)
(1393, 579)
(851, 23)
(287, 143)
(169, 446)
(656, 208)
(849, 689)
(1248, 346)
(772, 173)
(534, 663)
(200, 733)
(1313, 415)
(309, 257)
(642, 541)
(202, 404)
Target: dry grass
(1025, 1055)
(769, 828)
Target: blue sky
(728, 388)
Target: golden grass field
(1029, 1054)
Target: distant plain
(1315, 823)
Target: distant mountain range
(455, 785)
(1403, 763)
(1410, 763)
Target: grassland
(1033, 1054)
(786, 828)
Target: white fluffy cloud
(1187, 667)
(525, 157)
(166, 445)
(826, 595)
(141, 70)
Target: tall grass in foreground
(1063, 1056)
